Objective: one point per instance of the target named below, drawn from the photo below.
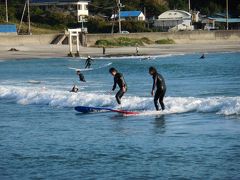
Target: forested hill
(57, 18)
(155, 7)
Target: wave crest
(57, 98)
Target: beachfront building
(130, 15)
(82, 11)
(81, 6)
(176, 19)
(219, 21)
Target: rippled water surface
(197, 137)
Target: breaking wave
(57, 98)
(152, 57)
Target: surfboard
(90, 69)
(34, 82)
(88, 109)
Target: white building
(82, 10)
(174, 19)
(130, 15)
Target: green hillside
(56, 18)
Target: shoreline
(61, 51)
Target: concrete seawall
(178, 37)
(90, 39)
(19, 40)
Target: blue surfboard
(88, 109)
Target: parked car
(125, 32)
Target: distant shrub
(134, 26)
(105, 43)
(165, 41)
(147, 41)
(122, 41)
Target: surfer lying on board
(81, 76)
(118, 80)
(160, 86)
(88, 62)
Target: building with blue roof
(130, 15)
(220, 22)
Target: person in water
(203, 56)
(160, 86)
(81, 76)
(74, 89)
(88, 62)
(118, 80)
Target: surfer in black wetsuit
(203, 56)
(81, 76)
(88, 62)
(74, 89)
(160, 86)
(118, 80)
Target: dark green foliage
(98, 25)
(122, 41)
(58, 19)
(134, 26)
(178, 4)
(153, 8)
(102, 6)
(165, 41)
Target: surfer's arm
(115, 84)
(154, 83)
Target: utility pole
(113, 20)
(145, 14)
(6, 5)
(29, 19)
(227, 13)
(119, 16)
(189, 6)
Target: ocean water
(197, 137)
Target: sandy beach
(52, 51)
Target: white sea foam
(141, 57)
(132, 57)
(56, 98)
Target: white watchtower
(82, 10)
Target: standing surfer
(104, 50)
(88, 62)
(118, 80)
(137, 50)
(160, 86)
